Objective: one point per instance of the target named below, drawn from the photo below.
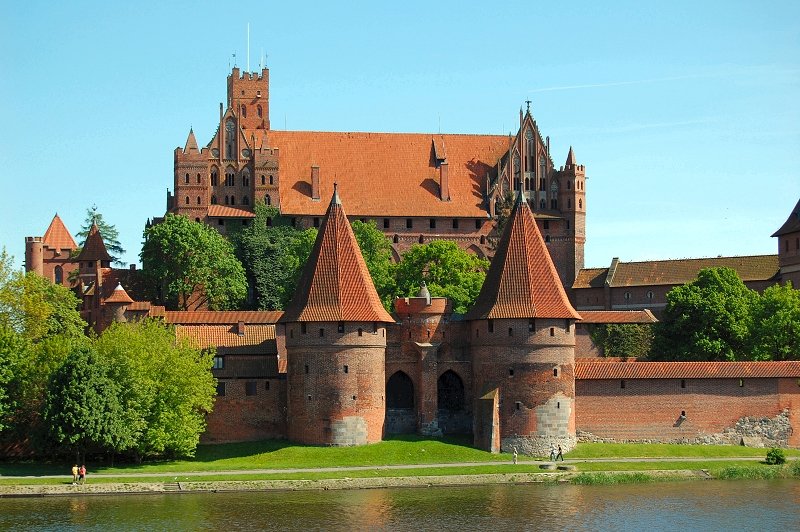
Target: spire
(57, 236)
(120, 296)
(335, 284)
(522, 281)
(191, 143)
(335, 199)
(94, 248)
(571, 158)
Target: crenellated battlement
(419, 305)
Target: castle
(336, 369)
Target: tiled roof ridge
(587, 369)
(415, 133)
(222, 317)
(694, 259)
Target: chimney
(315, 182)
(240, 328)
(444, 184)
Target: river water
(674, 506)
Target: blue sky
(685, 113)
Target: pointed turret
(570, 158)
(191, 143)
(335, 284)
(791, 225)
(119, 296)
(94, 248)
(522, 281)
(57, 236)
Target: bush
(776, 456)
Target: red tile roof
(386, 174)
(119, 295)
(587, 370)
(94, 248)
(675, 272)
(223, 211)
(617, 316)
(261, 338)
(792, 223)
(335, 284)
(522, 281)
(212, 317)
(57, 236)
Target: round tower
(34, 255)
(335, 343)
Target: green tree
(707, 319)
(189, 264)
(82, 410)
(448, 271)
(776, 324)
(377, 253)
(107, 231)
(11, 348)
(166, 386)
(622, 339)
(273, 253)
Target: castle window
(198, 179)
(303, 327)
(245, 223)
(386, 223)
(483, 239)
(269, 222)
(244, 111)
(409, 223)
(306, 368)
(542, 184)
(59, 275)
(245, 201)
(511, 331)
(227, 200)
(198, 200)
(569, 185)
(266, 385)
(360, 331)
(490, 325)
(455, 223)
(187, 179)
(233, 200)
(321, 333)
(552, 331)
(542, 204)
(622, 385)
(250, 388)
(546, 224)
(263, 180)
(293, 221)
(270, 180)
(650, 295)
(246, 177)
(221, 222)
(340, 327)
(346, 369)
(518, 404)
(531, 325)
(395, 239)
(213, 200)
(569, 203)
(741, 383)
(580, 204)
(568, 222)
(374, 327)
(316, 222)
(197, 220)
(229, 177)
(510, 372)
(259, 111)
(267, 200)
(218, 362)
(683, 383)
(547, 238)
(187, 200)
(627, 296)
(555, 372)
(433, 225)
(214, 177)
(221, 389)
(554, 204)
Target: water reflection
(709, 505)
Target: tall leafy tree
(107, 231)
(273, 253)
(707, 319)
(448, 271)
(377, 253)
(190, 265)
(166, 386)
(82, 409)
(12, 348)
(776, 324)
(623, 339)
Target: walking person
(560, 454)
(515, 455)
(552, 452)
(82, 474)
(74, 474)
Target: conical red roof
(335, 284)
(94, 248)
(522, 281)
(792, 223)
(191, 143)
(57, 236)
(119, 295)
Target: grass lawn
(666, 450)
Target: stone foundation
(537, 446)
(351, 430)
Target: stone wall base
(537, 445)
